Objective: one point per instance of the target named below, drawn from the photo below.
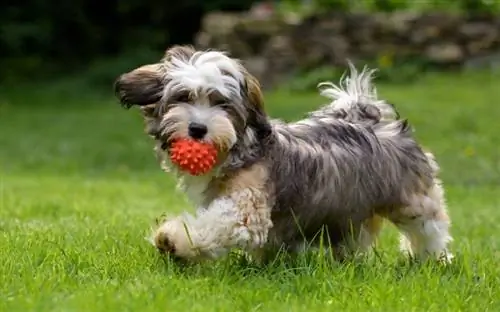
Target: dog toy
(192, 156)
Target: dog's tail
(355, 98)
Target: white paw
(173, 237)
(446, 258)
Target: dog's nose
(197, 130)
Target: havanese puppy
(333, 176)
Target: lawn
(79, 189)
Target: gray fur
(336, 168)
(336, 174)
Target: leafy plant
(479, 6)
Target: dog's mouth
(195, 157)
(166, 145)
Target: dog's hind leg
(364, 240)
(424, 224)
(370, 230)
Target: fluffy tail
(355, 98)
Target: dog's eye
(217, 99)
(220, 102)
(182, 98)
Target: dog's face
(202, 95)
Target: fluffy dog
(334, 175)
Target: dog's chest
(195, 188)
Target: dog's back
(346, 161)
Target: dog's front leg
(240, 219)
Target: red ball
(193, 156)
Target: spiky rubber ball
(194, 157)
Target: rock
(256, 66)
(258, 32)
(477, 48)
(445, 53)
(218, 32)
(490, 61)
(477, 30)
(337, 48)
(219, 23)
(276, 47)
(331, 24)
(433, 25)
(398, 22)
(282, 61)
(362, 28)
(479, 37)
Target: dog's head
(202, 95)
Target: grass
(79, 188)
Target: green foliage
(328, 5)
(39, 38)
(480, 6)
(102, 72)
(389, 5)
(463, 6)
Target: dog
(332, 177)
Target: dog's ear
(257, 119)
(152, 120)
(183, 52)
(141, 86)
(144, 85)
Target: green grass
(79, 188)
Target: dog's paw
(163, 244)
(446, 258)
(173, 237)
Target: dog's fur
(339, 172)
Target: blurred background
(59, 59)
(279, 40)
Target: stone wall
(276, 48)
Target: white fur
(427, 234)
(426, 238)
(195, 186)
(213, 231)
(353, 89)
(388, 131)
(220, 128)
(205, 71)
(201, 75)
